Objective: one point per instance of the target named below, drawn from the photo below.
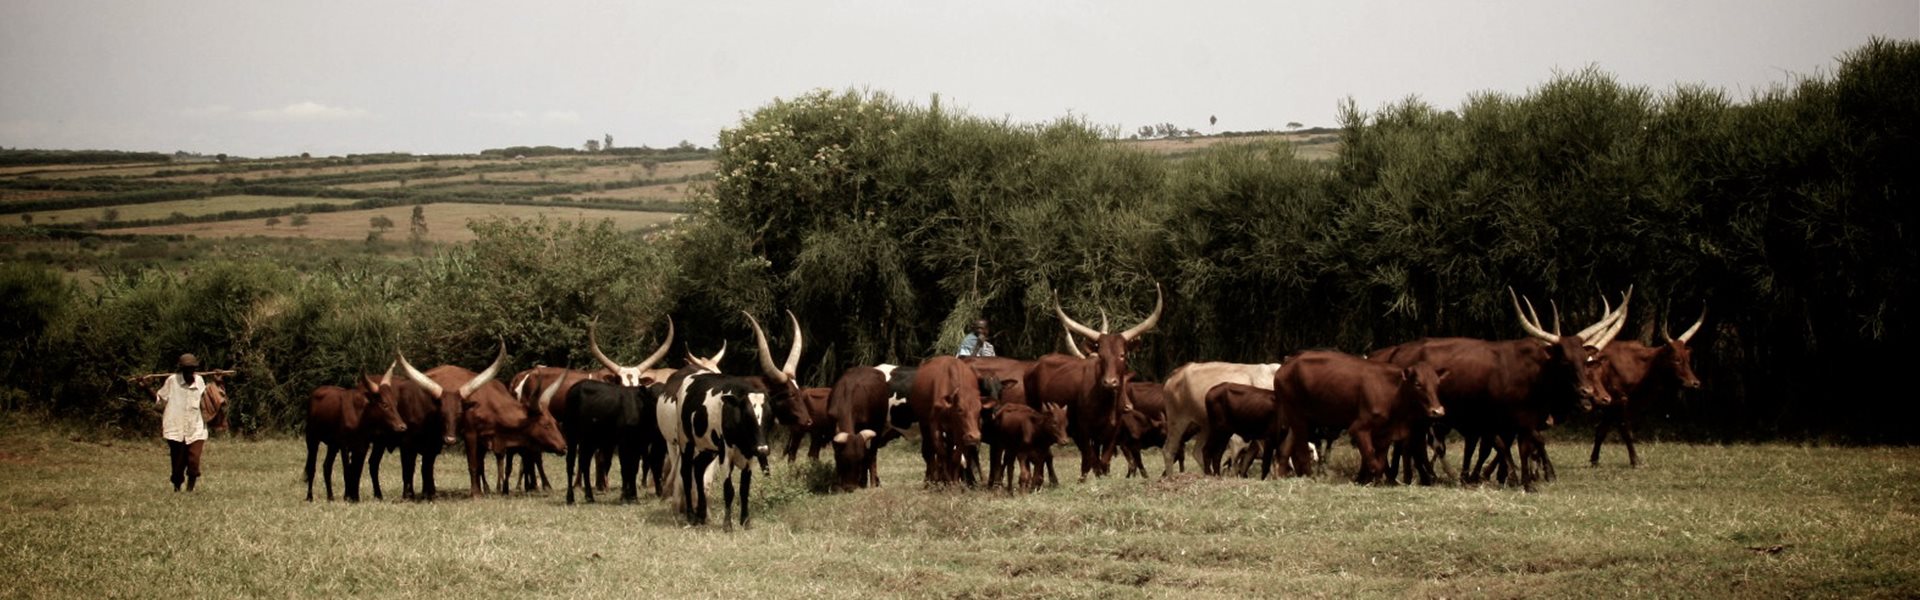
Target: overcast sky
(269, 78)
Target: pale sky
(271, 77)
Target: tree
(26, 219)
(299, 221)
(1294, 125)
(593, 145)
(272, 221)
(417, 228)
(608, 144)
(380, 222)
(110, 215)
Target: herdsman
(181, 421)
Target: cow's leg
(795, 435)
(746, 492)
(313, 448)
(686, 483)
(1363, 441)
(476, 466)
(1530, 451)
(503, 468)
(726, 494)
(539, 469)
(605, 461)
(427, 460)
(630, 456)
(588, 458)
(1211, 454)
(356, 458)
(1626, 436)
(326, 471)
(1599, 437)
(373, 469)
(1467, 473)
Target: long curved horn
(546, 395)
(658, 353)
(715, 359)
(593, 343)
(1071, 324)
(1103, 321)
(1600, 340)
(1530, 327)
(419, 378)
(1687, 336)
(487, 375)
(766, 354)
(1072, 346)
(792, 366)
(387, 379)
(1556, 315)
(1607, 316)
(1152, 319)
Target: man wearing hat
(181, 422)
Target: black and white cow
(900, 417)
(723, 421)
(667, 401)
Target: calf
(1023, 434)
(346, 420)
(1238, 409)
(1143, 427)
(1374, 401)
(1186, 397)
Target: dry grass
(82, 517)
(664, 191)
(446, 222)
(7, 195)
(1305, 144)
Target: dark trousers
(186, 460)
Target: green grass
(84, 516)
(192, 208)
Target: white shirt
(182, 421)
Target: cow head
(379, 407)
(1053, 420)
(545, 430)
(1110, 350)
(744, 420)
(782, 381)
(850, 455)
(1575, 358)
(1677, 357)
(633, 376)
(453, 400)
(1420, 387)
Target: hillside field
(83, 515)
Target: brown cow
(1018, 433)
(488, 409)
(1187, 402)
(816, 435)
(1512, 387)
(868, 406)
(1143, 427)
(784, 394)
(1243, 410)
(526, 386)
(1093, 389)
(1374, 401)
(431, 422)
(1632, 370)
(945, 398)
(346, 420)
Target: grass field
(446, 222)
(82, 516)
(194, 207)
(662, 191)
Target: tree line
(886, 226)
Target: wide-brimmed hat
(189, 360)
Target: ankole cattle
(431, 417)
(486, 409)
(788, 401)
(868, 408)
(1376, 403)
(1512, 387)
(945, 398)
(668, 401)
(1094, 389)
(1634, 372)
(724, 422)
(346, 420)
(1023, 436)
(1246, 411)
(1187, 402)
(526, 386)
(601, 416)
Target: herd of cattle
(678, 430)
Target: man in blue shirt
(976, 344)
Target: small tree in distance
(298, 221)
